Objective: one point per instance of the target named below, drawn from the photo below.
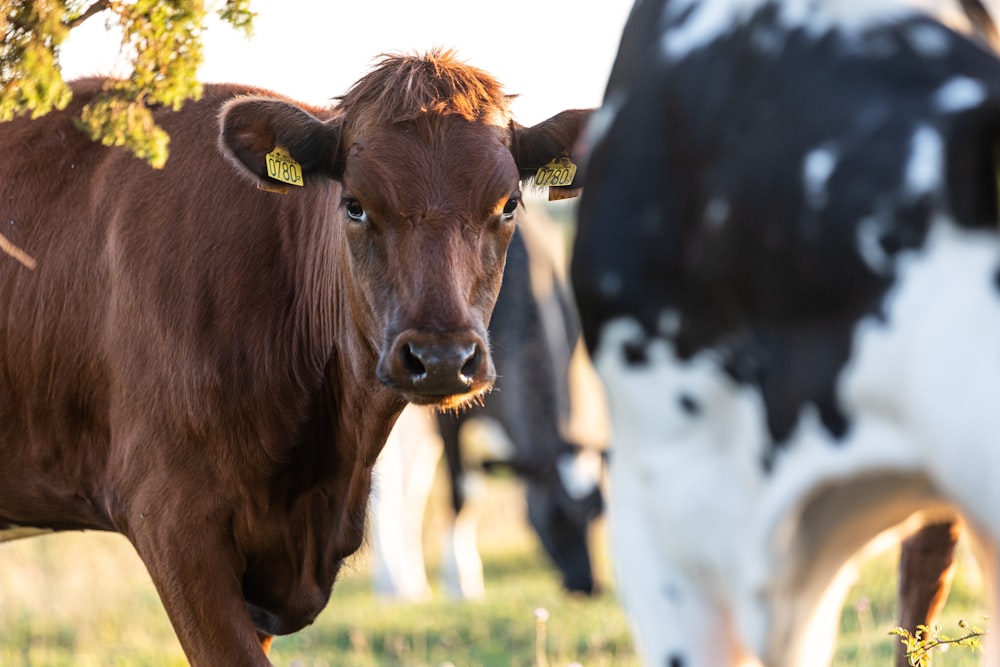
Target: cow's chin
(452, 402)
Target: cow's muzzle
(430, 367)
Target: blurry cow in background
(522, 425)
(788, 274)
(927, 558)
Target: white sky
(554, 55)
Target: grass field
(81, 600)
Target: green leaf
(162, 40)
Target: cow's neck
(323, 473)
(352, 411)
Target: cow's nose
(441, 369)
(428, 367)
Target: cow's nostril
(412, 362)
(471, 364)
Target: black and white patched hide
(786, 269)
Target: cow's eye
(509, 208)
(355, 211)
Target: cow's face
(429, 210)
(426, 208)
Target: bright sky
(554, 55)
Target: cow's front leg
(675, 618)
(197, 574)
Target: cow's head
(430, 164)
(562, 505)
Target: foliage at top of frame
(162, 40)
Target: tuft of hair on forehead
(405, 87)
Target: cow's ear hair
(536, 146)
(251, 127)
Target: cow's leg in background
(926, 566)
(403, 480)
(461, 565)
(989, 557)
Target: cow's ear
(252, 127)
(537, 146)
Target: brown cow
(211, 369)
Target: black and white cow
(522, 425)
(788, 275)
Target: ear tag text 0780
(559, 172)
(282, 167)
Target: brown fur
(403, 88)
(210, 369)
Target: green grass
(496, 631)
(85, 600)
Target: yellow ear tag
(560, 172)
(281, 167)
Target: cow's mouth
(456, 402)
(273, 624)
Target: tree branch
(95, 8)
(936, 642)
(18, 23)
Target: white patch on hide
(924, 167)
(870, 247)
(817, 168)
(708, 20)
(716, 212)
(580, 472)
(929, 40)
(958, 94)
